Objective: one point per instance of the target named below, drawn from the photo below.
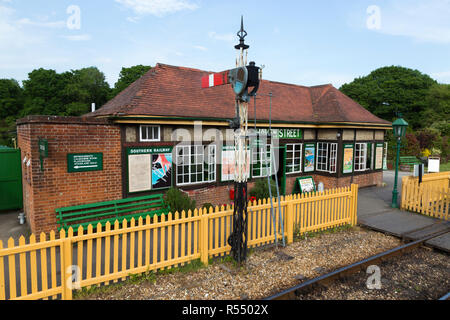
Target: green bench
(409, 160)
(110, 211)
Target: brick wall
(363, 180)
(218, 195)
(54, 187)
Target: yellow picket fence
(52, 268)
(431, 197)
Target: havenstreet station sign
(83, 162)
(283, 133)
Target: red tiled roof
(176, 92)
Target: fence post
(66, 269)
(355, 204)
(402, 203)
(204, 237)
(290, 220)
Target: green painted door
(10, 179)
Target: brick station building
(133, 145)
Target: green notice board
(304, 185)
(82, 162)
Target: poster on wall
(139, 168)
(161, 170)
(149, 169)
(348, 158)
(228, 156)
(310, 154)
(379, 156)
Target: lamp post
(399, 127)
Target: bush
(207, 206)
(411, 146)
(179, 201)
(428, 138)
(261, 189)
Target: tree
(11, 102)
(438, 101)
(44, 92)
(87, 86)
(66, 94)
(390, 89)
(128, 76)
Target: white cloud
(45, 24)
(201, 48)
(423, 21)
(222, 37)
(157, 8)
(78, 37)
(12, 34)
(442, 76)
(133, 19)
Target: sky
(300, 42)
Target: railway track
(344, 272)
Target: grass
(445, 167)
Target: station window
(196, 164)
(294, 158)
(361, 157)
(327, 157)
(261, 161)
(150, 133)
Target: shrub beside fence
(52, 268)
(431, 197)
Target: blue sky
(300, 42)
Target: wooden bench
(110, 211)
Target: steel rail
(291, 293)
(446, 297)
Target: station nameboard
(284, 133)
(82, 162)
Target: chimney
(92, 107)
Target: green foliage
(261, 189)
(128, 76)
(389, 89)
(179, 201)
(207, 206)
(438, 111)
(411, 147)
(11, 102)
(443, 127)
(428, 138)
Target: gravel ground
(266, 271)
(418, 275)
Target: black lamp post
(399, 127)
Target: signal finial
(242, 34)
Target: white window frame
(327, 151)
(200, 158)
(268, 167)
(152, 128)
(296, 147)
(361, 159)
(333, 157)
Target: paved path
(374, 211)
(10, 227)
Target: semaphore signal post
(243, 78)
